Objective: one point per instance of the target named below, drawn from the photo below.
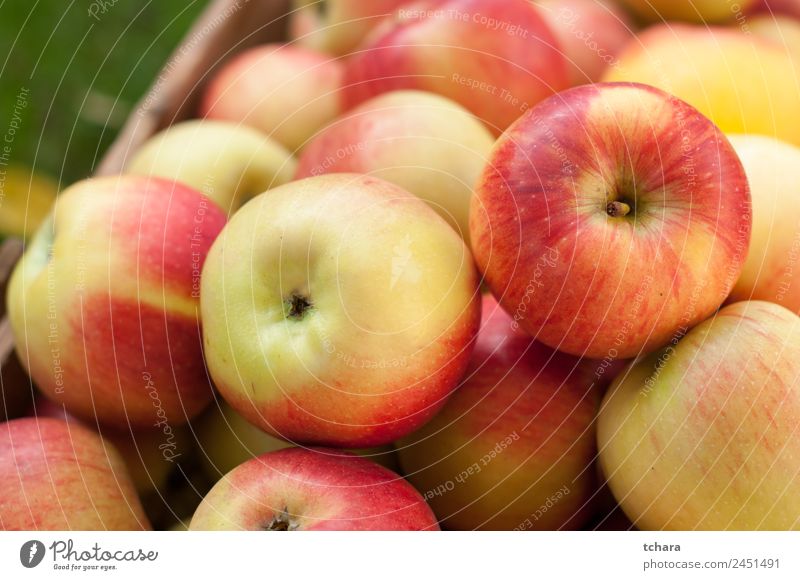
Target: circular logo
(31, 553)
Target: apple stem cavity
(281, 522)
(297, 306)
(617, 208)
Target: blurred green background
(84, 65)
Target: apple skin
(228, 163)
(287, 92)
(743, 83)
(771, 271)
(703, 435)
(445, 47)
(338, 310)
(312, 489)
(422, 142)
(700, 11)
(61, 476)
(343, 25)
(542, 405)
(592, 34)
(581, 280)
(105, 312)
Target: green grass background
(84, 76)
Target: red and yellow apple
(338, 310)
(702, 435)
(610, 217)
(228, 163)
(772, 269)
(422, 142)
(743, 83)
(104, 302)
(514, 446)
(592, 34)
(61, 476)
(286, 91)
(312, 489)
(494, 58)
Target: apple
(689, 10)
(337, 26)
(229, 163)
(422, 142)
(494, 58)
(743, 83)
(226, 440)
(286, 91)
(702, 435)
(592, 34)
(782, 30)
(61, 476)
(104, 302)
(312, 489)
(514, 446)
(610, 217)
(338, 310)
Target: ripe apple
(514, 446)
(494, 58)
(288, 92)
(422, 142)
(592, 34)
(337, 26)
(702, 435)
(61, 476)
(226, 440)
(745, 84)
(229, 163)
(772, 269)
(610, 217)
(312, 489)
(338, 310)
(104, 302)
(689, 10)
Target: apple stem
(617, 208)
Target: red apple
(286, 91)
(422, 142)
(494, 58)
(104, 304)
(514, 446)
(61, 476)
(610, 218)
(592, 34)
(312, 489)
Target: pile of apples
(532, 263)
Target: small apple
(104, 302)
(743, 83)
(338, 310)
(514, 446)
(422, 142)
(228, 163)
(61, 476)
(610, 217)
(494, 58)
(286, 91)
(702, 435)
(312, 489)
(337, 26)
(772, 269)
(592, 34)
